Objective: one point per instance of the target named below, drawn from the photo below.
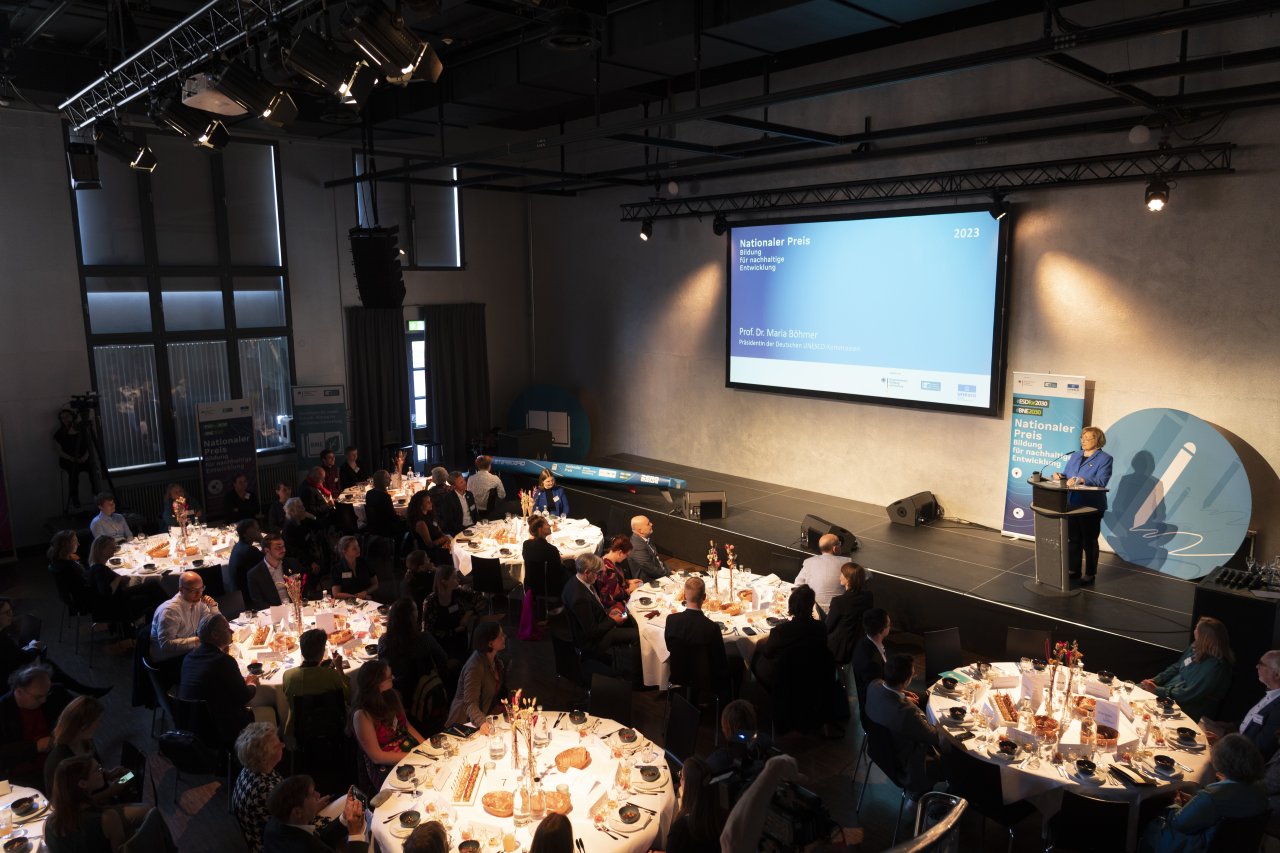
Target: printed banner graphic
(319, 422)
(591, 473)
(1180, 498)
(226, 451)
(1048, 412)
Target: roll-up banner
(319, 422)
(227, 450)
(1048, 412)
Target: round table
(435, 774)
(209, 546)
(362, 618)
(743, 630)
(353, 496)
(1042, 782)
(504, 540)
(31, 827)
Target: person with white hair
(1261, 723)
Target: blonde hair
(294, 510)
(1099, 434)
(1213, 641)
(251, 746)
(102, 549)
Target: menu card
(1001, 681)
(1033, 686)
(1107, 714)
(279, 612)
(1126, 708)
(1094, 687)
(324, 621)
(1019, 736)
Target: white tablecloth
(434, 782)
(504, 540)
(210, 546)
(354, 495)
(360, 616)
(667, 598)
(1043, 785)
(30, 827)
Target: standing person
(548, 496)
(1199, 678)
(379, 723)
(74, 454)
(821, 572)
(242, 503)
(480, 686)
(483, 483)
(349, 472)
(259, 750)
(108, 522)
(1088, 466)
(246, 555)
(645, 563)
(844, 616)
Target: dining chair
(941, 652)
(681, 738)
(1026, 643)
(610, 698)
(1239, 834)
(486, 578)
(319, 727)
(692, 676)
(880, 752)
(937, 824)
(785, 566)
(978, 782)
(1083, 821)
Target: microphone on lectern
(1036, 476)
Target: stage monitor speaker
(699, 506)
(920, 508)
(82, 162)
(813, 528)
(376, 258)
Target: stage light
(320, 62)
(242, 85)
(82, 163)
(571, 30)
(1157, 195)
(719, 224)
(673, 188)
(999, 207)
(646, 230)
(197, 126)
(392, 47)
(1139, 134)
(113, 141)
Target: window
(416, 350)
(186, 297)
(427, 212)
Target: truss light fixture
(646, 230)
(195, 125)
(1157, 196)
(719, 225)
(113, 141)
(242, 85)
(320, 62)
(392, 47)
(571, 30)
(999, 207)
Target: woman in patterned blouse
(611, 584)
(259, 750)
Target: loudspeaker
(813, 528)
(920, 508)
(82, 162)
(699, 506)
(524, 443)
(376, 258)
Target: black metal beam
(1208, 64)
(1085, 71)
(779, 129)
(679, 145)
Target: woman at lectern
(1089, 466)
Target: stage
(1132, 621)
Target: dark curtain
(378, 372)
(457, 377)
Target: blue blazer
(554, 501)
(1096, 471)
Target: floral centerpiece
(526, 503)
(522, 714)
(713, 567)
(731, 558)
(1070, 656)
(293, 587)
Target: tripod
(83, 408)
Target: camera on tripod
(82, 403)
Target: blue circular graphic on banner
(1180, 501)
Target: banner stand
(1048, 412)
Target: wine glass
(1024, 664)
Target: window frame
(152, 271)
(408, 215)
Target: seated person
(175, 624)
(112, 592)
(548, 497)
(430, 837)
(596, 629)
(246, 554)
(175, 511)
(482, 482)
(419, 577)
(13, 658)
(352, 575)
(645, 563)
(108, 522)
(28, 713)
(317, 674)
(73, 736)
(1261, 723)
(822, 570)
(241, 503)
(914, 741)
(425, 532)
(844, 615)
(801, 632)
(379, 723)
(743, 745)
(259, 750)
(332, 479)
(294, 805)
(380, 517)
(480, 686)
(349, 472)
(869, 656)
(613, 584)
(543, 571)
(1199, 678)
(419, 664)
(64, 565)
(450, 611)
(266, 580)
(212, 675)
(315, 496)
(439, 482)
(1190, 823)
(300, 532)
(77, 823)
(275, 512)
(690, 632)
(455, 507)
(701, 815)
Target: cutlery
(582, 848)
(390, 818)
(607, 832)
(558, 719)
(641, 808)
(1184, 768)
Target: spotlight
(673, 188)
(646, 230)
(113, 141)
(999, 207)
(1139, 134)
(719, 224)
(82, 163)
(571, 30)
(392, 47)
(239, 83)
(1157, 195)
(197, 126)
(329, 68)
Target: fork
(582, 848)
(606, 831)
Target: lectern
(1049, 503)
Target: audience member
(112, 591)
(456, 508)
(353, 578)
(301, 530)
(1199, 678)
(701, 816)
(548, 497)
(246, 554)
(913, 739)
(543, 570)
(869, 656)
(242, 504)
(1261, 723)
(438, 482)
(317, 674)
(315, 496)
(484, 481)
(76, 823)
(596, 628)
(332, 479)
(794, 664)
(293, 806)
(259, 750)
(1190, 824)
(419, 577)
(267, 586)
(73, 736)
(174, 513)
(275, 513)
(74, 454)
(428, 837)
(27, 716)
(613, 581)
(645, 563)
(426, 533)
(349, 472)
(174, 626)
(450, 612)
(743, 743)
(553, 835)
(844, 616)
(379, 723)
(690, 632)
(1271, 783)
(13, 658)
(108, 522)
(211, 675)
(745, 823)
(64, 565)
(380, 517)
(802, 633)
(480, 685)
(821, 572)
(418, 664)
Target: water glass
(1024, 664)
(497, 747)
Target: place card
(1018, 736)
(269, 657)
(324, 621)
(1033, 685)
(1093, 687)
(1107, 713)
(278, 613)
(5, 788)
(1126, 708)
(1003, 682)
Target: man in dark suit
(644, 561)
(246, 554)
(1262, 722)
(595, 629)
(869, 655)
(689, 633)
(380, 517)
(293, 805)
(213, 676)
(28, 713)
(265, 587)
(455, 506)
(912, 738)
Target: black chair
(979, 782)
(73, 593)
(681, 738)
(941, 652)
(785, 566)
(25, 628)
(693, 677)
(805, 693)
(880, 752)
(344, 518)
(610, 698)
(319, 729)
(491, 508)
(1239, 834)
(937, 826)
(568, 660)
(618, 520)
(193, 747)
(1026, 643)
(158, 693)
(486, 578)
(1084, 822)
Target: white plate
(1095, 779)
(617, 825)
(396, 785)
(401, 831)
(1171, 775)
(994, 752)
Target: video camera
(85, 402)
